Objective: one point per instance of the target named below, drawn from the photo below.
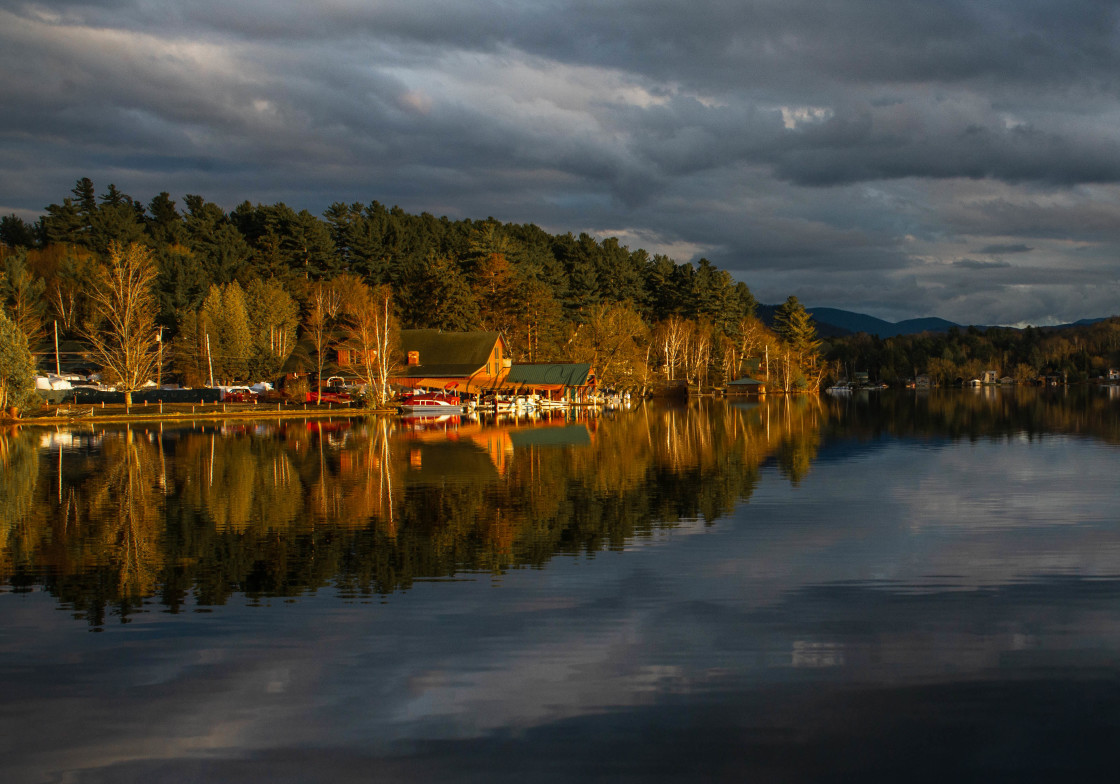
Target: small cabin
(746, 386)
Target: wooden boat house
(468, 362)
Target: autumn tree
(122, 332)
(615, 340)
(670, 337)
(372, 337)
(496, 289)
(698, 354)
(326, 307)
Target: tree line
(262, 289)
(1062, 354)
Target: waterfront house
(468, 362)
(746, 386)
(989, 377)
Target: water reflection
(912, 586)
(107, 518)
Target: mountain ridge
(835, 322)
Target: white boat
(431, 404)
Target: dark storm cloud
(1005, 249)
(980, 265)
(778, 138)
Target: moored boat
(431, 404)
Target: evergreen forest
(264, 290)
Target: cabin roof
(446, 354)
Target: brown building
(468, 362)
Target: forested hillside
(1066, 354)
(262, 290)
(248, 281)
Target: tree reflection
(19, 474)
(240, 481)
(195, 516)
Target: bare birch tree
(372, 337)
(672, 335)
(122, 331)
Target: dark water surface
(894, 587)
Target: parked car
(238, 395)
(335, 396)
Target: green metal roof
(569, 375)
(453, 354)
(745, 381)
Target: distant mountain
(833, 322)
(836, 323)
(859, 322)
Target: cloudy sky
(896, 157)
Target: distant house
(468, 362)
(989, 377)
(746, 386)
(1114, 374)
(923, 382)
(861, 378)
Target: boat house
(468, 362)
(571, 382)
(746, 386)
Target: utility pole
(209, 360)
(57, 364)
(159, 367)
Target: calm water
(892, 587)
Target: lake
(908, 586)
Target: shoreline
(52, 416)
